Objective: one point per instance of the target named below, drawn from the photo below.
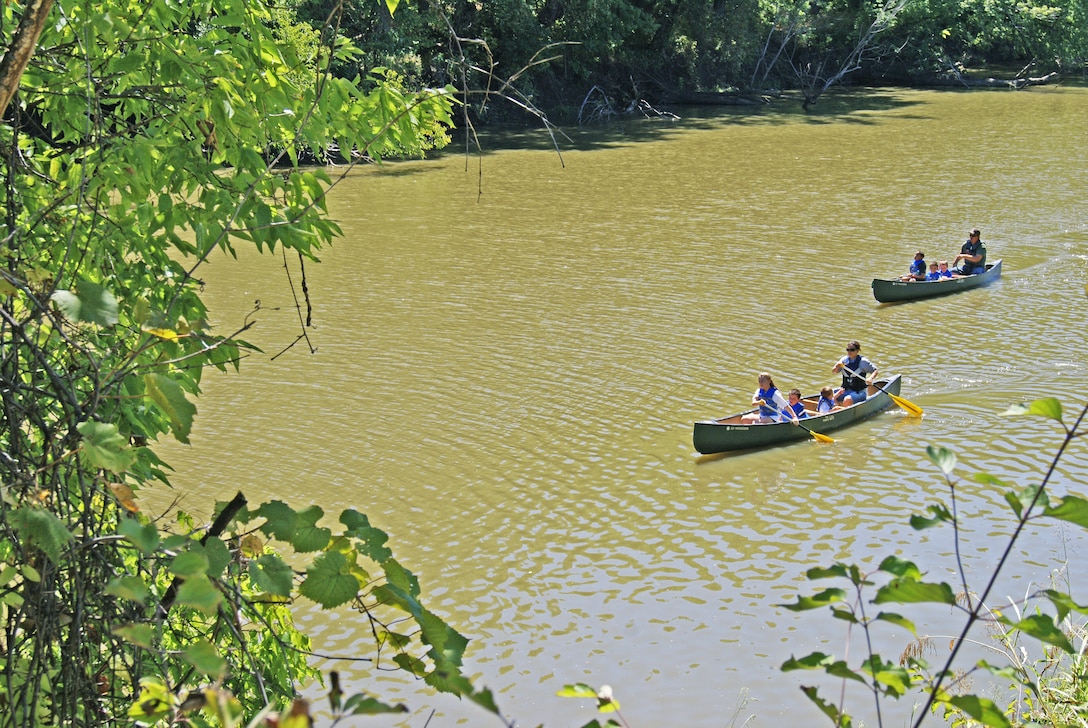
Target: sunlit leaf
(981, 709)
(143, 536)
(577, 690)
(129, 587)
(909, 591)
(897, 619)
(822, 599)
(942, 457)
(900, 567)
(153, 702)
(170, 397)
(103, 446)
(1071, 508)
(140, 635)
(166, 334)
(89, 303)
(1048, 407)
(362, 705)
(205, 658)
(392, 6)
(271, 574)
(200, 594)
(1042, 628)
(329, 580)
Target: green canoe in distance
(730, 433)
(898, 291)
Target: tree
(142, 137)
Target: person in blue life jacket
(796, 405)
(826, 403)
(857, 373)
(973, 255)
(772, 405)
(942, 269)
(934, 273)
(917, 268)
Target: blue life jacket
(799, 410)
(767, 395)
(825, 405)
(849, 382)
(918, 268)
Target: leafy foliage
(144, 138)
(1050, 689)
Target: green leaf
(129, 587)
(820, 661)
(900, 567)
(1042, 628)
(940, 515)
(578, 690)
(280, 522)
(392, 5)
(272, 575)
(822, 599)
(308, 536)
(981, 709)
(909, 591)
(329, 580)
(1047, 407)
(140, 635)
(897, 619)
(90, 303)
(144, 537)
(200, 594)
(841, 720)
(104, 447)
(1064, 603)
(170, 398)
(203, 656)
(362, 705)
(400, 577)
(943, 458)
(215, 553)
(373, 539)
(190, 563)
(41, 529)
(1071, 508)
(153, 703)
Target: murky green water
(511, 351)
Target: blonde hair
(767, 376)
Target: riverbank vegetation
(1032, 665)
(598, 58)
(140, 139)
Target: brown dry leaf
(125, 497)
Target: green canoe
(730, 433)
(897, 291)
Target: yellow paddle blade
(819, 437)
(907, 406)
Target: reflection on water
(506, 379)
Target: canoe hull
(728, 434)
(897, 291)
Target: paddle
(908, 406)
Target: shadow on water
(851, 106)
